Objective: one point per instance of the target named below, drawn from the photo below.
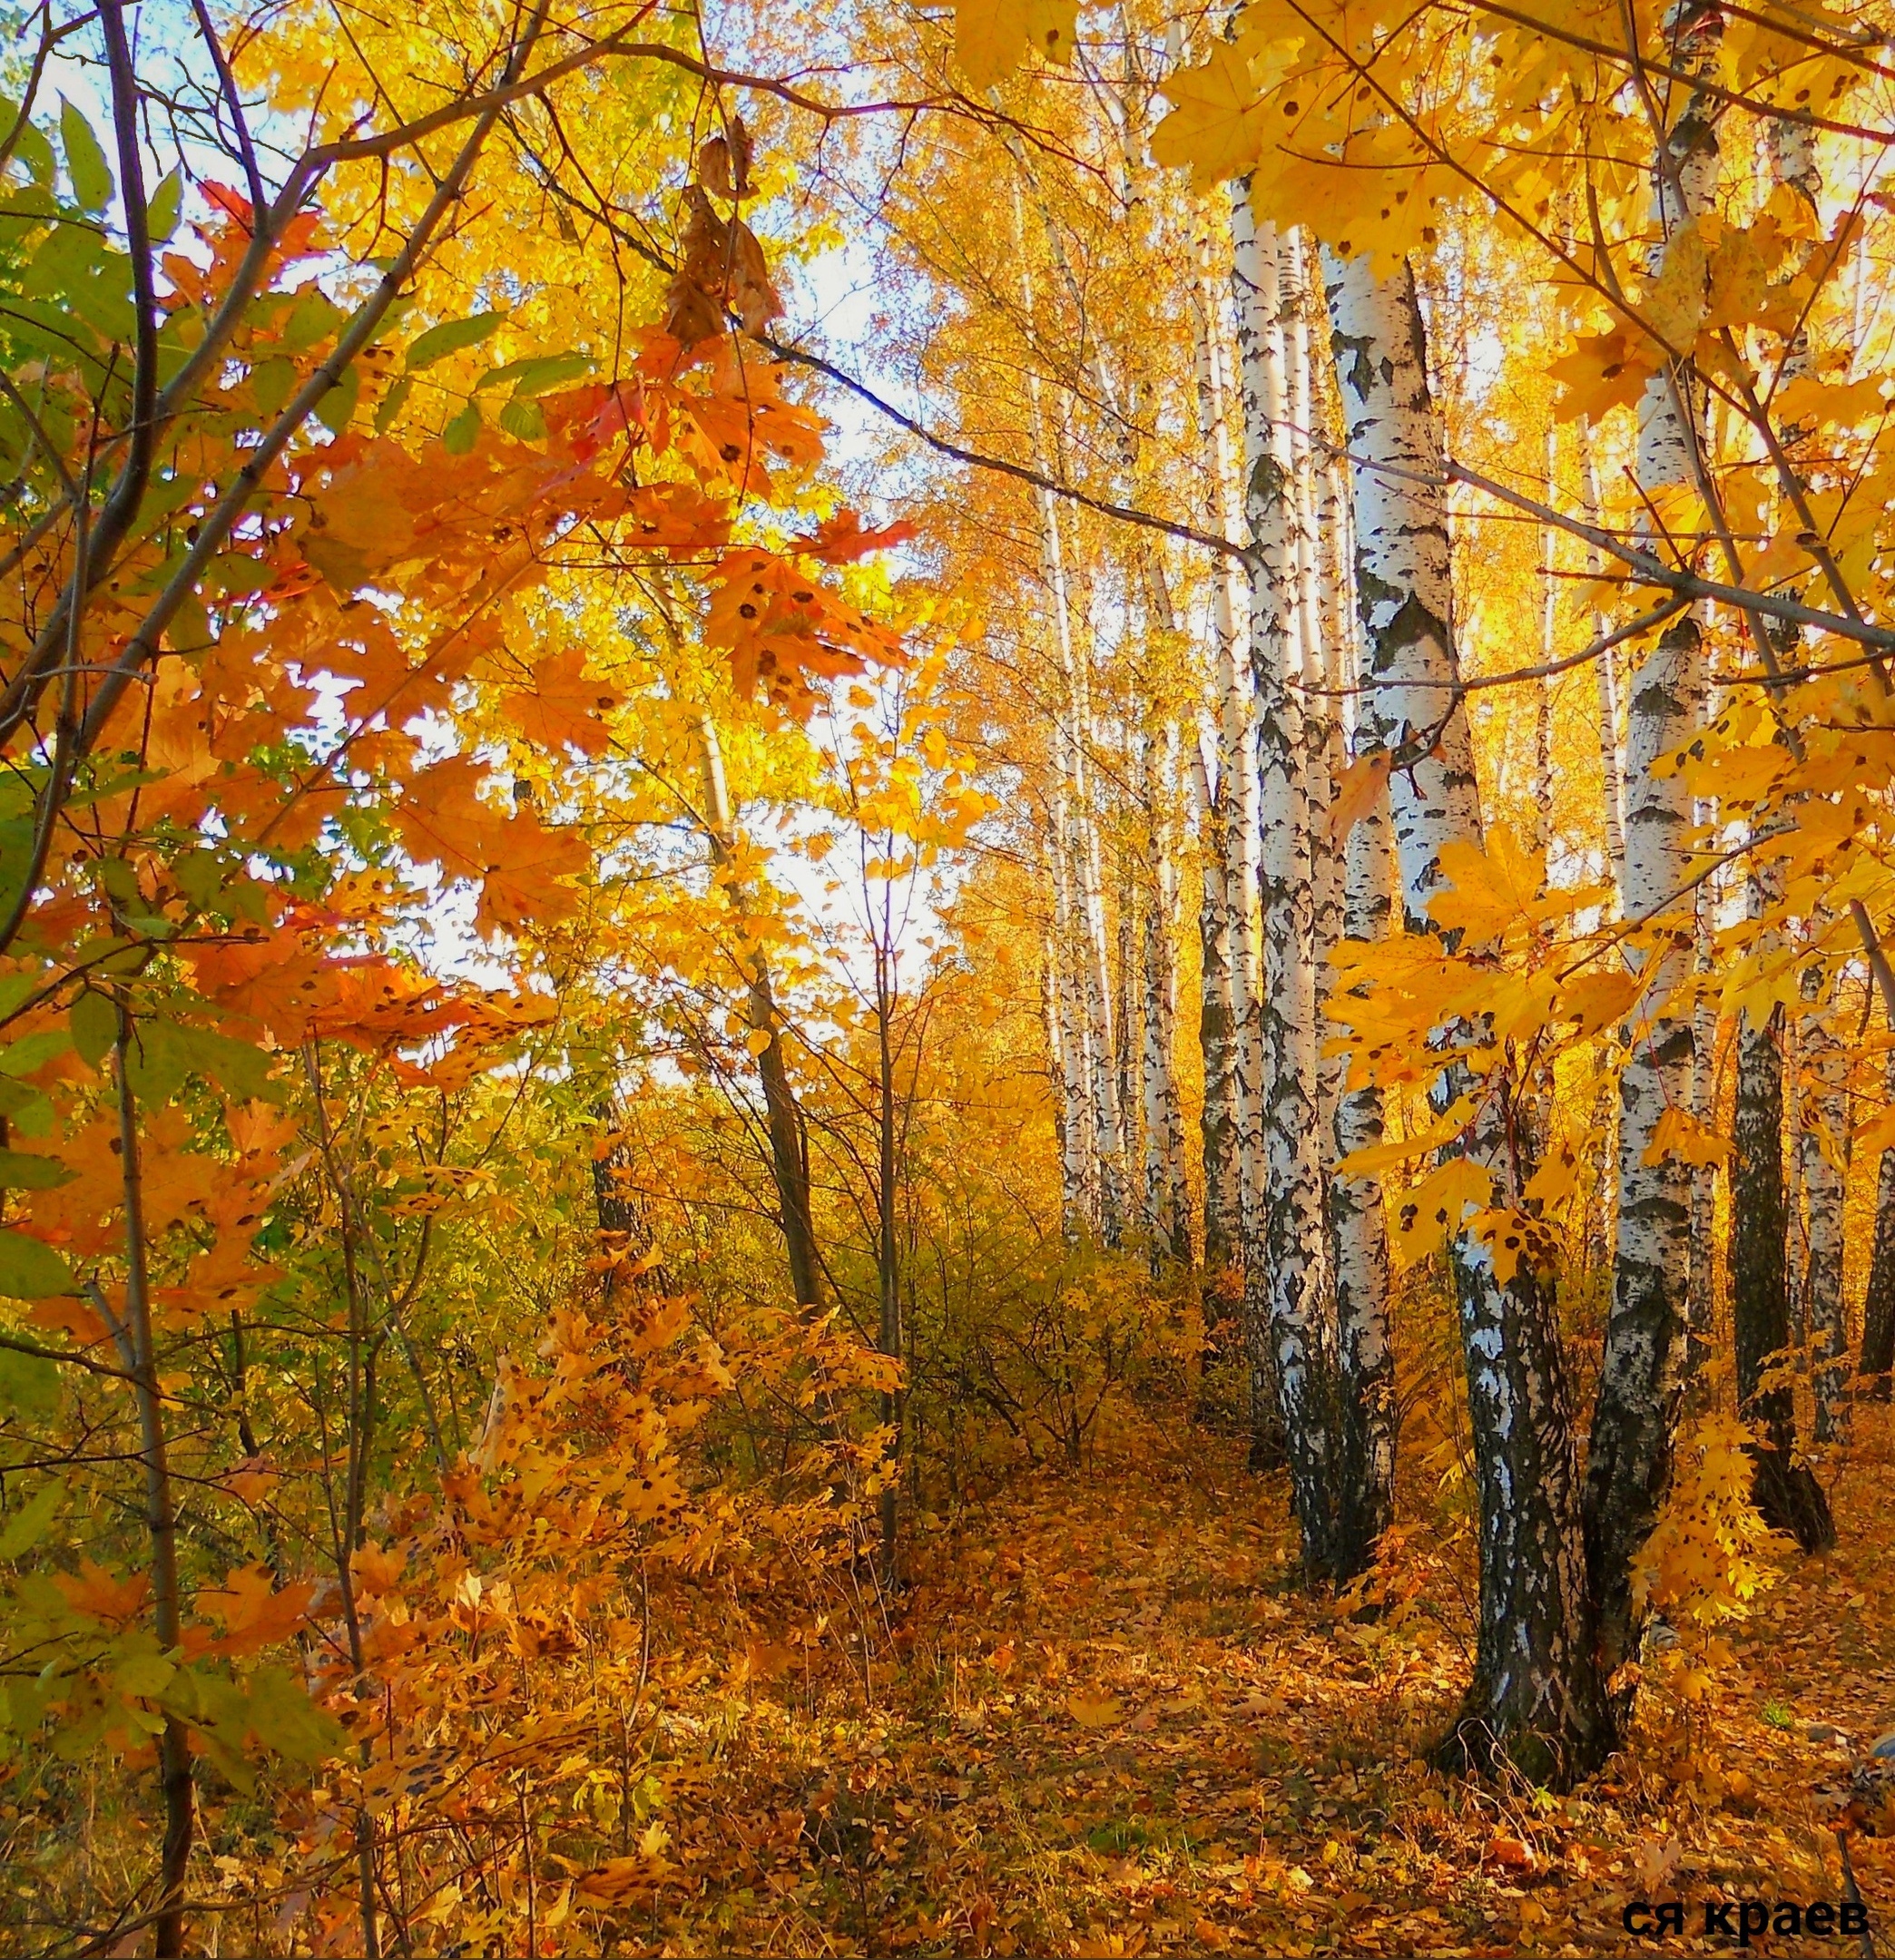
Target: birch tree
(1285, 1275)
(1167, 1219)
(1536, 1699)
(1641, 1379)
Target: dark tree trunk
(1628, 1465)
(1538, 1700)
(1878, 1357)
(1785, 1491)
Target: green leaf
(271, 383)
(539, 376)
(143, 1674)
(15, 987)
(238, 573)
(28, 1382)
(85, 160)
(313, 319)
(164, 1053)
(164, 205)
(27, 1525)
(29, 1270)
(522, 421)
(450, 336)
(24, 1170)
(285, 1720)
(33, 1051)
(463, 432)
(33, 150)
(94, 1021)
(392, 404)
(336, 410)
(25, 1107)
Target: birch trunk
(1332, 868)
(1216, 1028)
(1072, 761)
(1079, 1151)
(1365, 1354)
(1167, 1219)
(1612, 788)
(1763, 1214)
(1537, 1699)
(1284, 1287)
(1072, 1167)
(1877, 1362)
(1227, 804)
(1641, 1378)
(1825, 1123)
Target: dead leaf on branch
(723, 266)
(724, 163)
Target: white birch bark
(1092, 964)
(1359, 1228)
(1286, 1296)
(1641, 1379)
(1216, 1019)
(1228, 803)
(1549, 646)
(1612, 790)
(1075, 1208)
(1819, 1141)
(1166, 1200)
(1536, 1699)
(1821, 1124)
(1079, 1152)
(1332, 874)
(1071, 760)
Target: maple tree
(897, 905)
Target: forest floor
(1118, 1728)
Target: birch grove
(866, 873)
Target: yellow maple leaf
(1513, 1240)
(1488, 890)
(1216, 129)
(1673, 307)
(991, 37)
(1099, 1711)
(1600, 372)
(1431, 1214)
(1558, 1177)
(1681, 1135)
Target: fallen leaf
(1093, 1713)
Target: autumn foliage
(943, 999)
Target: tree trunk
(1764, 1211)
(1537, 1699)
(1641, 1375)
(1284, 1289)
(1785, 1491)
(1072, 747)
(1821, 1139)
(1367, 1429)
(1167, 1202)
(1612, 799)
(789, 1169)
(888, 1247)
(1230, 1022)
(1215, 1028)
(1877, 1362)
(176, 1779)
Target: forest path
(1120, 1729)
